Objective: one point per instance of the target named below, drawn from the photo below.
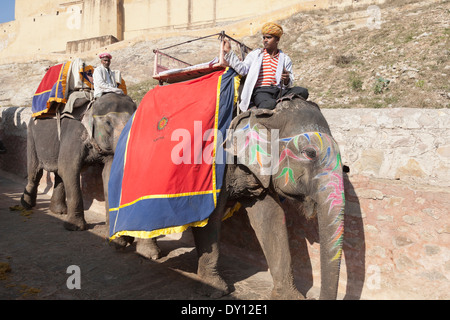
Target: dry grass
(405, 63)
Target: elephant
(64, 148)
(287, 152)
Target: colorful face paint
(306, 147)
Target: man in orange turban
(268, 71)
(273, 29)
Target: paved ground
(35, 252)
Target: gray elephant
(287, 152)
(77, 144)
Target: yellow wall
(46, 26)
(158, 15)
(25, 9)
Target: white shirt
(251, 67)
(105, 81)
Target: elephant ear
(249, 140)
(88, 120)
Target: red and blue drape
(150, 193)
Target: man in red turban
(106, 80)
(268, 71)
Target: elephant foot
(26, 202)
(286, 293)
(148, 248)
(75, 224)
(121, 242)
(58, 208)
(213, 287)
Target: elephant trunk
(331, 230)
(105, 177)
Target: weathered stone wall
(411, 145)
(78, 46)
(397, 228)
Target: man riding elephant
(64, 139)
(105, 79)
(268, 71)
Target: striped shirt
(268, 70)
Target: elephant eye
(310, 153)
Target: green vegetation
(355, 82)
(137, 91)
(381, 85)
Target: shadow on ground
(38, 251)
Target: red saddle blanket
(167, 170)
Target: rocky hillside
(393, 55)
(401, 61)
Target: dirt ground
(36, 251)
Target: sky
(7, 10)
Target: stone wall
(78, 46)
(411, 145)
(397, 228)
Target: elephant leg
(28, 199)
(267, 219)
(148, 248)
(75, 211)
(207, 245)
(105, 177)
(58, 201)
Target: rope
(220, 34)
(189, 41)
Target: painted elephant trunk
(331, 226)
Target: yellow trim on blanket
(62, 80)
(216, 121)
(123, 86)
(38, 94)
(237, 83)
(36, 114)
(165, 196)
(232, 211)
(85, 70)
(171, 230)
(159, 232)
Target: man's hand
(226, 45)
(285, 77)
